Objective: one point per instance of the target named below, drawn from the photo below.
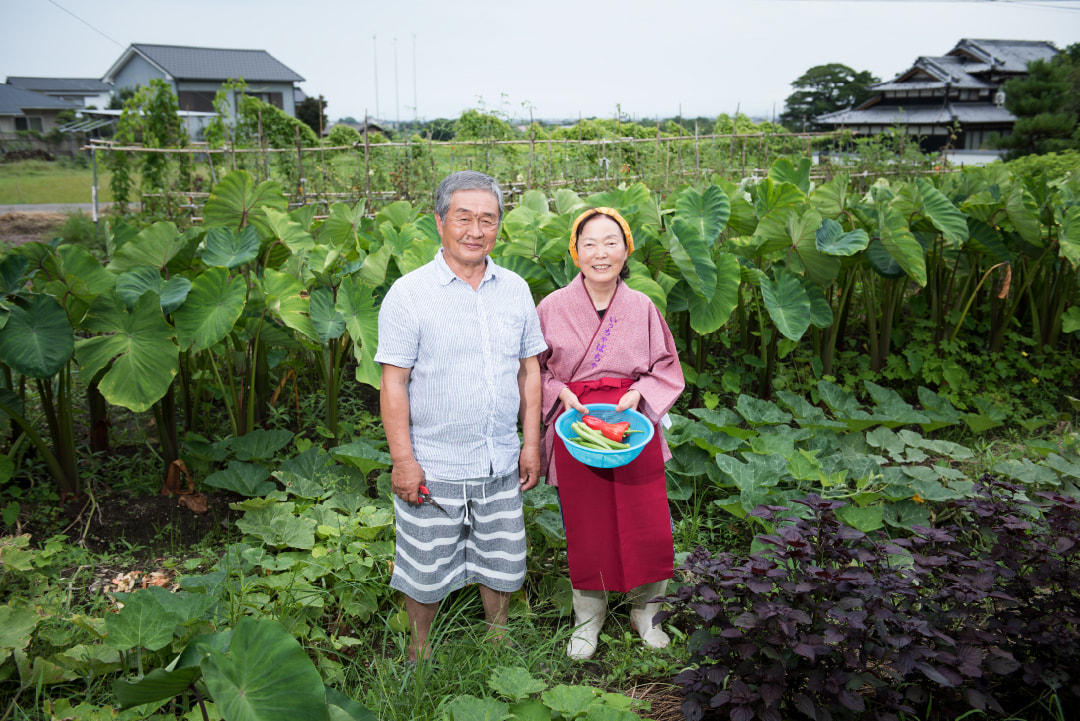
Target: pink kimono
(618, 527)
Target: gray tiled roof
(1008, 56)
(14, 101)
(920, 115)
(186, 63)
(90, 86)
(963, 65)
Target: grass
(38, 181)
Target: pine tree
(824, 89)
(1045, 105)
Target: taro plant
(255, 671)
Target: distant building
(963, 86)
(79, 91)
(26, 110)
(196, 74)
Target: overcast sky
(559, 58)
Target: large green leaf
(259, 444)
(787, 304)
(819, 267)
(211, 309)
(523, 227)
(373, 270)
(983, 238)
(38, 338)
(287, 300)
(279, 527)
(399, 214)
(1024, 214)
(16, 627)
(772, 196)
(883, 263)
(343, 708)
(945, 216)
(831, 239)
(247, 479)
(898, 241)
(471, 708)
(142, 623)
(831, 199)
(780, 229)
(342, 227)
(230, 248)
(1069, 241)
(357, 306)
(236, 202)
(327, 321)
(784, 171)
(267, 676)
(146, 359)
(284, 229)
(131, 285)
(362, 454)
(693, 255)
(821, 315)
(642, 281)
(708, 211)
(707, 316)
(154, 246)
(158, 685)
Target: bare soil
(19, 228)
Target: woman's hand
(629, 400)
(570, 400)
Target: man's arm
(407, 476)
(529, 389)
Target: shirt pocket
(508, 331)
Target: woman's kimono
(618, 526)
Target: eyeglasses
(487, 223)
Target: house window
(31, 122)
(196, 101)
(274, 99)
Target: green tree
(1045, 105)
(441, 129)
(824, 89)
(312, 112)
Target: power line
(99, 32)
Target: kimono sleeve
(663, 383)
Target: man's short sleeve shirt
(464, 347)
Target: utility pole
(374, 49)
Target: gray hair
(465, 180)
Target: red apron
(618, 526)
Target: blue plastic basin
(606, 459)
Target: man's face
(471, 225)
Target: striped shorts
(480, 538)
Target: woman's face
(601, 249)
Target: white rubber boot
(642, 614)
(590, 608)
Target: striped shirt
(464, 347)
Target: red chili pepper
(592, 422)
(615, 431)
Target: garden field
(875, 487)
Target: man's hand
(406, 479)
(529, 467)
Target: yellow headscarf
(611, 213)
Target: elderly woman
(608, 343)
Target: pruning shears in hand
(424, 496)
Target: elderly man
(458, 345)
